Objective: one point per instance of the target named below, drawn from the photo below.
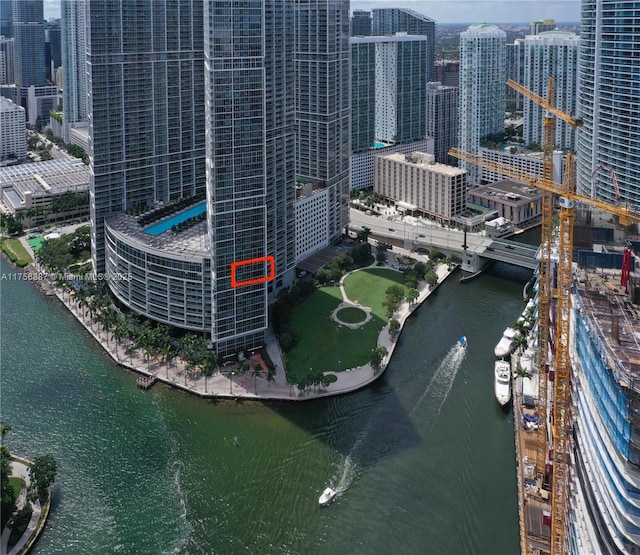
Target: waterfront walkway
(225, 384)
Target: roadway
(414, 234)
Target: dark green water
(424, 458)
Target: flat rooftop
(46, 178)
(507, 190)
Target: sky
(455, 11)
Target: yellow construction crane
(561, 424)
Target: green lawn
(351, 315)
(36, 243)
(16, 485)
(16, 252)
(324, 344)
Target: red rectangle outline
(269, 277)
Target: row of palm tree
(138, 335)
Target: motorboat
(506, 345)
(327, 496)
(502, 381)
(462, 341)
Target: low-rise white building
(13, 138)
(435, 190)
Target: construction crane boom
(539, 182)
(544, 103)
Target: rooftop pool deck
(166, 225)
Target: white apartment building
(13, 139)
(482, 91)
(416, 180)
(528, 161)
(551, 54)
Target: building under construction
(603, 502)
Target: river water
(424, 459)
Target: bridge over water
(420, 234)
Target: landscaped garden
(324, 344)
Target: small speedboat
(327, 496)
(462, 341)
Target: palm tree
(412, 295)
(209, 366)
(377, 356)
(256, 372)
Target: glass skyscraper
(235, 101)
(608, 89)
(74, 61)
(28, 31)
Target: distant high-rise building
(482, 92)
(361, 23)
(536, 27)
(447, 72)
(53, 49)
(28, 31)
(363, 94)
(74, 62)
(608, 92)
(515, 71)
(551, 54)
(6, 19)
(7, 58)
(388, 21)
(400, 86)
(442, 120)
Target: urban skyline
(452, 11)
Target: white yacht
(506, 345)
(502, 382)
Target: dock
(146, 382)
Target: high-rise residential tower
(28, 31)
(146, 106)
(205, 116)
(482, 92)
(551, 54)
(6, 19)
(608, 92)
(74, 61)
(388, 21)
(515, 71)
(323, 117)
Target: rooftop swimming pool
(378, 144)
(166, 225)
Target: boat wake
(441, 383)
(347, 470)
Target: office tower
(551, 54)
(361, 23)
(537, 27)
(363, 94)
(388, 21)
(53, 49)
(146, 106)
(323, 115)
(7, 57)
(482, 78)
(74, 62)
(442, 121)
(6, 19)
(608, 92)
(28, 31)
(515, 71)
(13, 139)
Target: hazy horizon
(454, 11)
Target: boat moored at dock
(502, 382)
(507, 343)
